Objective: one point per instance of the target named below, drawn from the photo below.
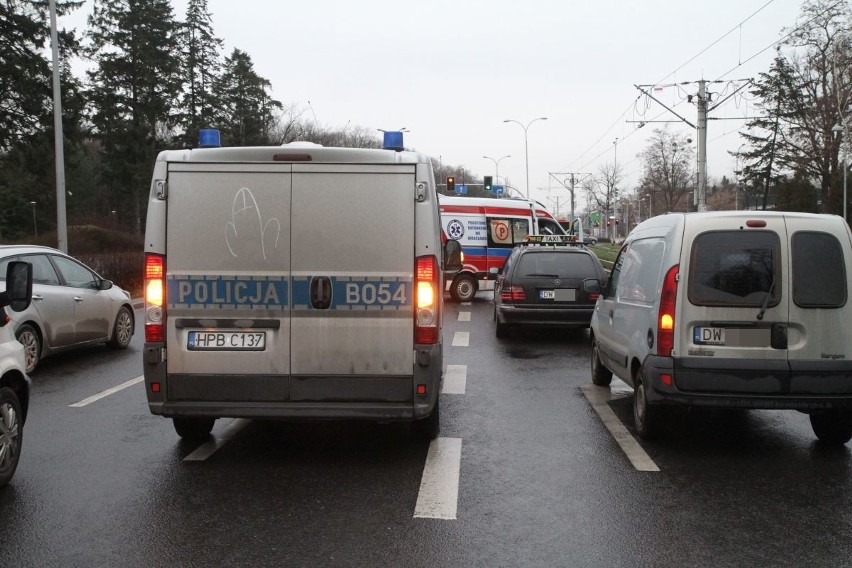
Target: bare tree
(668, 170)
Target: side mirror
(592, 286)
(19, 286)
(494, 270)
(452, 256)
(104, 284)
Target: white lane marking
(598, 398)
(455, 379)
(439, 486)
(209, 447)
(106, 393)
(464, 316)
(461, 339)
(466, 303)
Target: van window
(507, 232)
(819, 272)
(735, 268)
(549, 227)
(640, 271)
(615, 274)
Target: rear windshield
(556, 265)
(735, 268)
(819, 273)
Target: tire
(601, 376)
(649, 419)
(11, 434)
(31, 340)
(427, 429)
(832, 427)
(463, 288)
(122, 331)
(194, 429)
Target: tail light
(666, 315)
(155, 296)
(427, 300)
(513, 294)
(593, 296)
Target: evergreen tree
(248, 112)
(201, 66)
(134, 89)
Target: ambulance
(293, 282)
(488, 229)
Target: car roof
(7, 250)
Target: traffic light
(451, 184)
(487, 186)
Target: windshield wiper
(543, 275)
(766, 299)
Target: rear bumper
(735, 383)
(545, 315)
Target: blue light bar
(393, 141)
(209, 138)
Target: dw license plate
(708, 335)
(226, 341)
(560, 295)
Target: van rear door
(352, 265)
(228, 281)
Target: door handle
(36, 297)
(78, 299)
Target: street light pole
(35, 224)
(526, 146)
(497, 166)
(650, 209)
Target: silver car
(72, 305)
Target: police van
(488, 229)
(293, 282)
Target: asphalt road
(534, 467)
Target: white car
(72, 305)
(14, 382)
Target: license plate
(560, 295)
(708, 335)
(546, 294)
(226, 341)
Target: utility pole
(702, 103)
(571, 186)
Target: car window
(640, 270)
(43, 271)
(615, 272)
(4, 263)
(76, 275)
(735, 268)
(819, 272)
(507, 232)
(549, 227)
(556, 265)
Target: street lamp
(35, 224)
(837, 129)
(650, 210)
(526, 146)
(497, 165)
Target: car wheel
(193, 429)
(123, 329)
(832, 427)
(601, 376)
(648, 418)
(427, 429)
(29, 338)
(463, 288)
(11, 432)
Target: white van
(745, 309)
(293, 282)
(488, 229)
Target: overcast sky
(451, 71)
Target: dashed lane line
(106, 393)
(209, 447)
(455, 379)
(598, 398)
(439, 487)
(461, 339)
(464, 316)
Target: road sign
(498, 189)
(461, 188)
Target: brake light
(427, 301)
(593, 296)
(155, 296)
(513, 294)
(666, 315)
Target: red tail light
(593, 296)
(666, 315)
(155, 297)
(426, 300)
(513, 294)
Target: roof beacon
(209, 138)
(393, 141)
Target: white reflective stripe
(598, 398)
(455, 379)
(461, 339)
(209, 447)
(106, 393)
(439, 487)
